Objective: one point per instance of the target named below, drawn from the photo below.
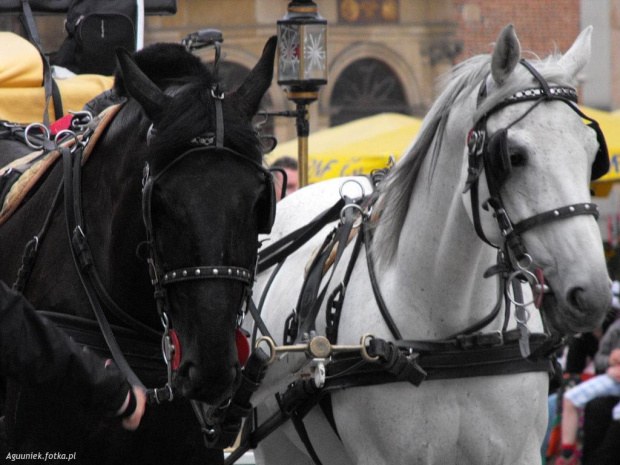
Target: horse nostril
(575, 297)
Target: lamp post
(302, 67)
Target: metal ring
(272, 348)
(170, 397)
(516, 274)
(214, 95)
(66, 132)
(43, 130)
(347, 182)
(527, 316)
(364, 351)
(87, 115)
(528, 258)
(164, 320)
(358, 222)
(164, 353)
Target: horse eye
(517, 158)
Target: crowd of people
(589, 400)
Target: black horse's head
(206, 198)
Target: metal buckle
(492, 339)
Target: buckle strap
(392, 360)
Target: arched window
(366, 87)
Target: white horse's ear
(506, 55)
(578, 55)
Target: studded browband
(205, 272)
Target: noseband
(491, 154)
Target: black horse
(206, 198)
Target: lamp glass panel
(314, 51)
(288, 52)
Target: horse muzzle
(579, 308)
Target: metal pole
(303, 131)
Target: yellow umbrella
(354, 148)
(610, 125)
(365, 144)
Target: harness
(467, 353)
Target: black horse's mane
(191, 111)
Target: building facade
(386, 55)
(383, 55)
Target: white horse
(430, 265)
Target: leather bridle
(479, 158)
(162, 278)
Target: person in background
(37, 353)
(577, 365)
(289, 165)
(607, 362)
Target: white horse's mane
(459, 83)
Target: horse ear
(139, 86)
(259, 79)
(506, 55)
(578, 54)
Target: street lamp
(302, 67)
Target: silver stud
(237, 272)
(571, 209)
(556, 213)
(197, 272)
(174, 274)
(215, 272)
(184, 273)
(229, 271)
(165, 276)
(587, 206)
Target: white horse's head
(539, 158)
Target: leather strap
(51, 89)
(72, 179)
(284, 247)
(310, 300)
(557, 214)
(32, 246)
(298, 423)
(385, 312)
